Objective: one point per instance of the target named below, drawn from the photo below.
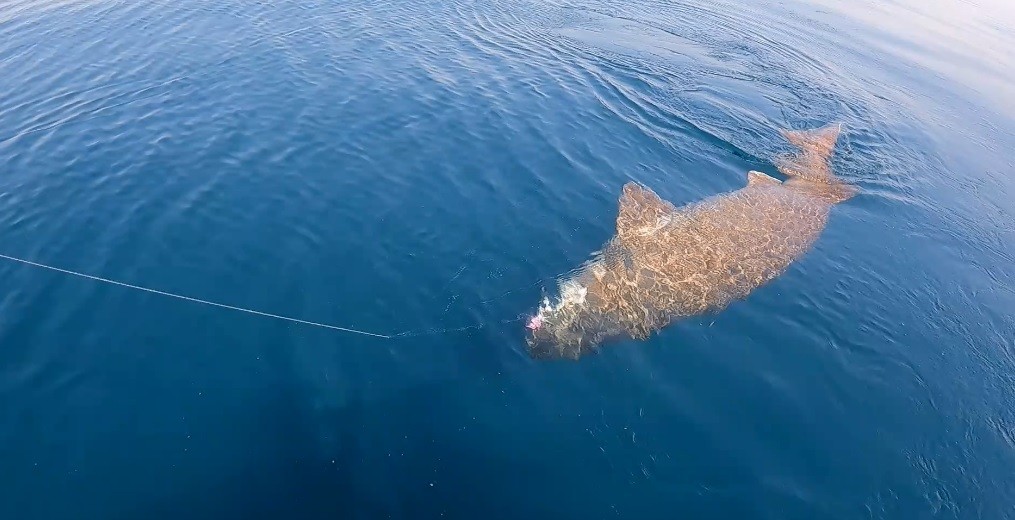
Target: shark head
(556, 329)
(589, 307)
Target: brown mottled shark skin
(666, 263)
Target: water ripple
(432, 166)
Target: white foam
(572, 293)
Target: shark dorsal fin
(756, 178)
(640, 208)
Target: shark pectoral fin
(640, 208)
(757, 178)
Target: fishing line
(439, 330)
(195, 300)
(406, 334)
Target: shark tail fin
(818, 143)
(812, 160)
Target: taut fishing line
(405, 334)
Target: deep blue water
(397, 165)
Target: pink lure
(534, 323)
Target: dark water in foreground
(404, 165)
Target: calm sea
(431, 167)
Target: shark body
(665, 262)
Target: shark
(666, 263)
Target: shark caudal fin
(812, 163)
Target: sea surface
(426, 170)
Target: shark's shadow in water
(666, 262)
